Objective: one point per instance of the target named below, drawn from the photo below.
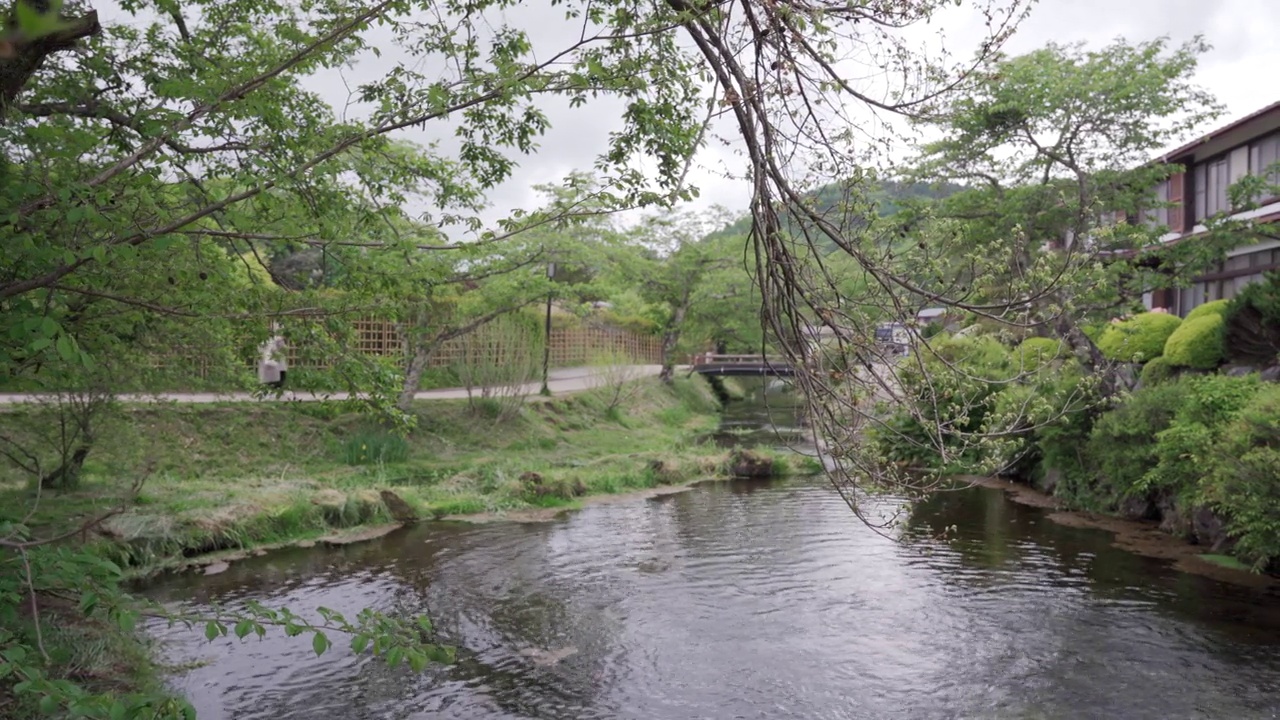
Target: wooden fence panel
(571, 346)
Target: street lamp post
(546, 343)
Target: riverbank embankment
(226, 479)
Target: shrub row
(1177, 447)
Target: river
(748, 600)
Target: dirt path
(560, 382)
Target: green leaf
(211, 630)
(32, 22)
(48, 703)
(319, 643)
(66, 347)
(359, 643)
(243, 628)
(424, 622)
(119, 711)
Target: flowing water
(749, 600)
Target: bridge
(740, 365)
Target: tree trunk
(1090, 356)
(68, 474)
(418, 361)
(670, 338)
(21, 57)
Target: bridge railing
(725, 359)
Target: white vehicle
(894, 335)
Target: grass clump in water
(371, 447)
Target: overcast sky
(1239, 70)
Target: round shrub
(1217, 307)
(1035, 351)
(982, 355)
(1197, 343)
(1139, 338)
(1156, 371)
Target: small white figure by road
(274, 363)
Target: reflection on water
(751, 600)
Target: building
(1210, 165)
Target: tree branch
(20, 57)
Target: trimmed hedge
(1139, 338)
(1198, 343)
(1217, 307)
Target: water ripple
(749, 601)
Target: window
(1191, 297)
(1239, 262)
(1264, 154)
(1160, 216)
(1211, 180)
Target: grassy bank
(227, 480)
(242, 476)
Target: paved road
(560, 381)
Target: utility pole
(546, 343)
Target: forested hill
(888, 198)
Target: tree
(1051, 234)
(675, 279)
(150, 175)
(694, 283)
(1054, 167)
(482, 282)
(141, 172)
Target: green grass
(374, 447)
(1225, 561)
(234, 476)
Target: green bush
(1164, 439)
(1156, 371)
(1244, 480)
(951, 397)
(1217, 307)
(638, 324)
(982, 355)
(1252, 332)
(1185, 450)
(1139, 338)
(1035, 351)
(1197, 343)
(1122, 445)
(1059, 446)
(1021, 412)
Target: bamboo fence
(571, 346)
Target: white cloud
(1237, 71)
